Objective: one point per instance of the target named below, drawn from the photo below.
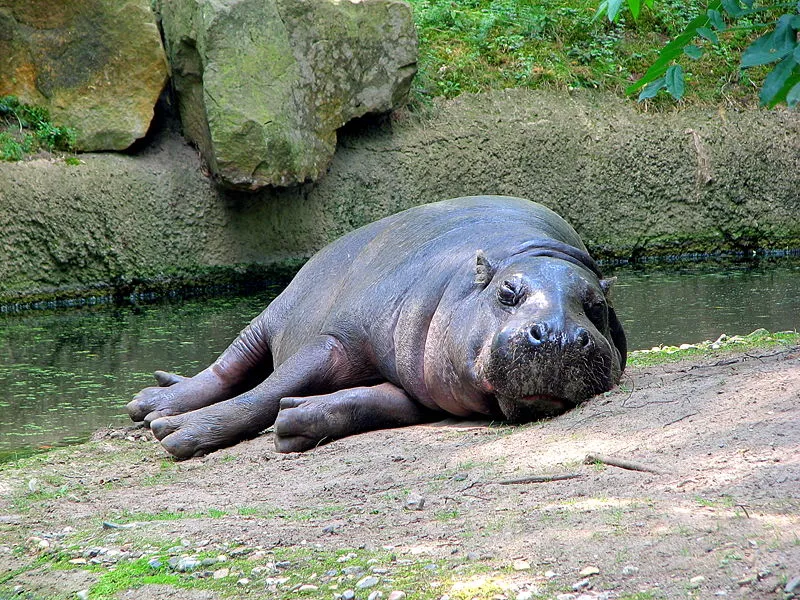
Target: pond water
(66, 373)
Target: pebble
(367, 582)
(397, 595)
(526, 595)
(353, 571)
(793, 586)
(697, 580)
(473, 556)
(415, 502)
(243, 581)
(348, 595)
(629, 570)
(154, 563)
(221, 573)
(587, 571)
(308, 587)
(550, 574)
(579, 585)
(522, 565)
(184, 564)
(376, 595)
(82, 595)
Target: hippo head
(549, 339)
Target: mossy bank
(633, 184)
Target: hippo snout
(543, 333)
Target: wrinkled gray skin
(483, 306)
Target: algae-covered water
(66, 373)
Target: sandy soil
(719, 517)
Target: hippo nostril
(537, 333)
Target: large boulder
(263, 85)
(97, 65)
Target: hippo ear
(484, 271)
(607, 284)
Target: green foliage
(477, 45)
(777, 46)
(25, 129)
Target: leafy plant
(777, 46)
(25, 129)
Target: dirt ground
(718, 517)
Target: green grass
(477, 45)
(26, 129)
(761, 339)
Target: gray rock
(793, 587)
(263, 85)
(154, 563)
(396, 595)
(367, 582)
(348, 595)
(376, 595)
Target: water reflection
(65, 373)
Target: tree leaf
(708, 34)
(652, 89)
(748, 3)
(732, 7)
(776, 80)
(675, 81)
(672, 50)
(693, 51)
(771, 46)
(635, 6)
(716, 19)
(613, 9)
(796, 53)
(601, 10)
(793, 96)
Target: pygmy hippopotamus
(479, 306)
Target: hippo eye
(597, 313)
(509, 293)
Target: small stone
(587, 571)
(379, 570)
(525, 595)
(397, 595)
(353, 571)
(415, 502)
(721, 593)
(283, 564)
(793, 586)
(697, 580)
(82, 595)
(243, 581)
(185, 564)
(331, 529)
(154, 563)
(629, 570)
(221, 573)
(521, 565)
(550, 574)
(308, 587)
(473, 556)
(348, 595)
(579, 585)
(376, 595)
(367, 582)
(78, 561)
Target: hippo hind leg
(304, 423)
(242, 366)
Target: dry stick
(539, 479)
(618, 462)
(679, 419)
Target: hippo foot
(305, 423)
(174, 395)
(185, 436)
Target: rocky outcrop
(97, 65)
(263, 85)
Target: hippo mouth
(533, 407)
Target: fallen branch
(679, 419)
(618, 462)
(538, 479)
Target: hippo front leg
(320, 366)
(305, 423)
